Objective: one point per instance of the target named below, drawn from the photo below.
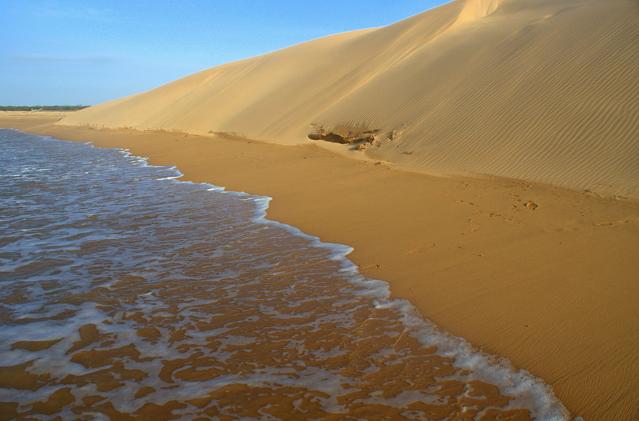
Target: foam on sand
(178, 296)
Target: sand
(543, 90)
(499, 192)
(553, 289)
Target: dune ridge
(540, 90)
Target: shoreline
(492, 369)
(488, 379)
(522, 283)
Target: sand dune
(545, 90)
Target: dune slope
(543, 90)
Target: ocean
(126, 293)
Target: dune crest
(477, 9)
(541, 90)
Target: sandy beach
(481, 157)
(541, 275)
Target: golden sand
(519, 92)
(553, 288)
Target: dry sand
(543, 90)
(553, 289)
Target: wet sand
(137, 295)
(541, 275)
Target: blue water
(125, 292)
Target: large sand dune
(543, 90)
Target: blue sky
(86, 52)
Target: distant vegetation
(42, 107)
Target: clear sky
(85, 52)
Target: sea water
(126, 293)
